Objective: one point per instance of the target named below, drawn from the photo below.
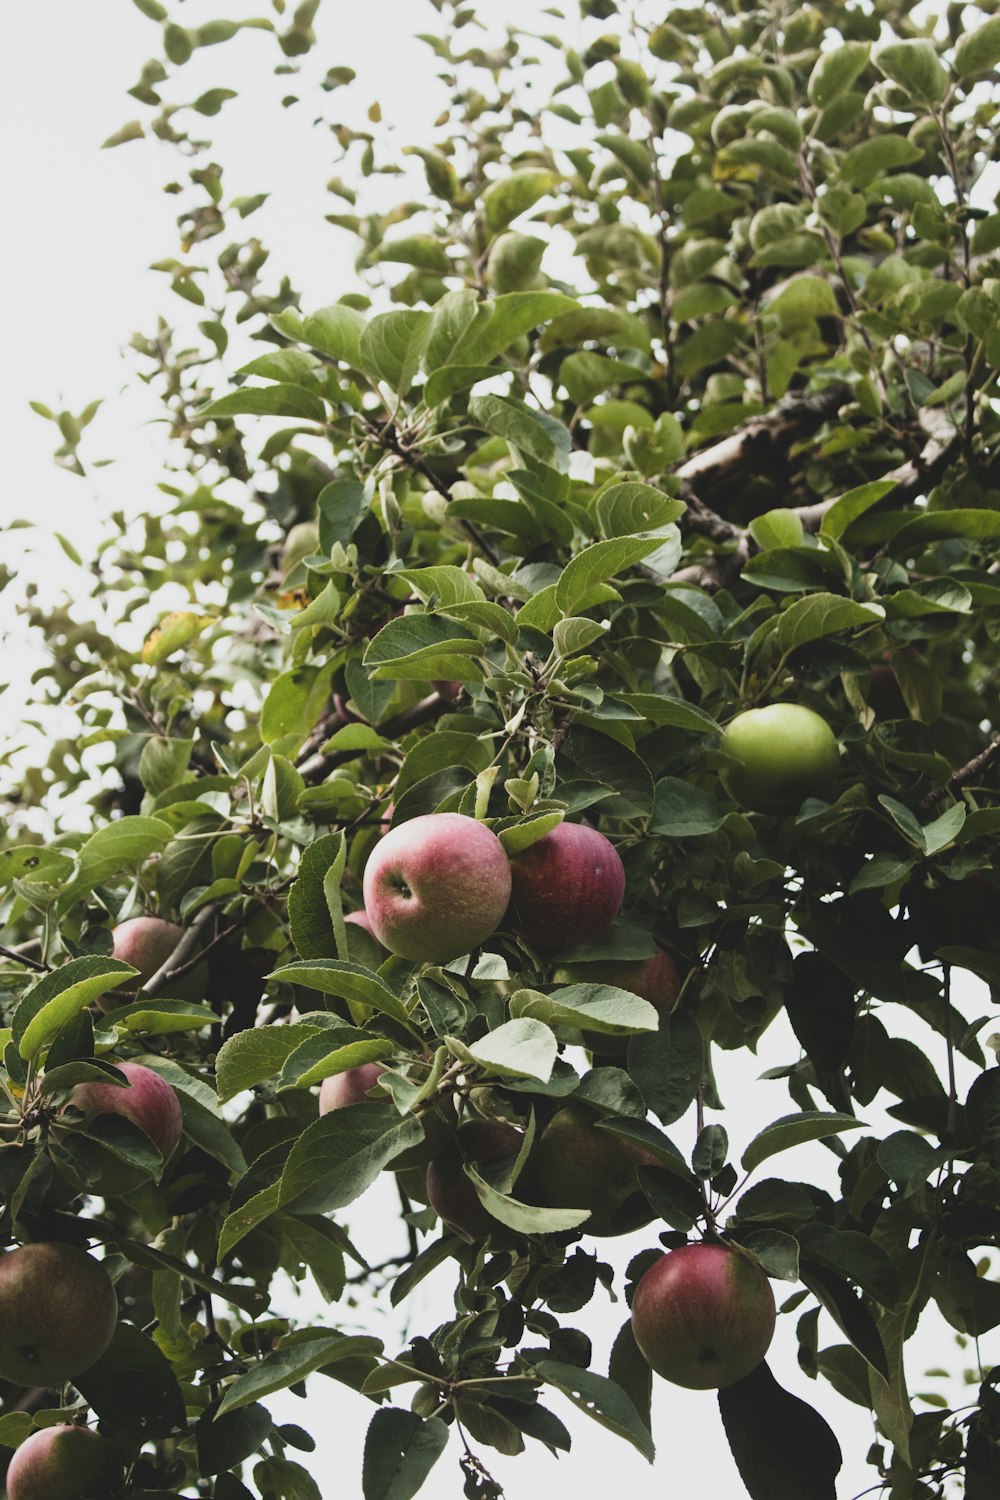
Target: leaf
(517, 1049)
(526, 430)
(525, 1218)
(600, 1008)
(342, 506)
(682, 810)
(836, 70)
(123, 845)
(337, 1157)
(392, 345)
(939, 525)
(330, 1052)
(669, 1065)
(335, 331)
(821, 615)
(347, 981)
(309, 919)
(601, 1399)
(133, 1388)
(794, 1130)
(852, 504)
(915, 66)
(506, 200)
(777, 1252)
(677, 712)
(502, 320)
(595, 564)
(624, 509)
(279, 400)
(295, 1357)
(401, 1449)
(61, 995)
(225, 1441)
(978, 49)
(783, 1449)
(420, 647)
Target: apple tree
(560, 652)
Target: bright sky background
(82, 226)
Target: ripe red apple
(360, 919)
(58, 1312)
(703, 1316)
(448, 690)
(436, 887)
(62, 1463)
(778, 755)
(567, 887)
(483, 1143)
(147, 943)
(149, 1102)
(349, 1088)
(577, 1165)
(654, 979)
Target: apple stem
(710, 1223)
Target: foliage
(670, 397)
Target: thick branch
(754, 444)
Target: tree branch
(186, 949)
(963, 775)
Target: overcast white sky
(81, 228)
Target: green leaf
(414, 647)
(500, 321)
(852, 504)
(855, 1255)
(776, 528)
(794, 1130)
(337, 1157)
(777, 1252)
(392, 345)
(297, 1356)
(529, 432)
(335, 331)
(229, 1440)
(273, 401)
(820, 615)
(309, 919)
(683, 811)
(401, 1449)
(873, 158)
(347, 981)
(669, 1066)
(804, 297)
(915, 66)
(783, 1449)
(624, 509)
(677, 712)
(506, 200)
(938, 525)
(61, 995)
(525, 1218)
(124, 845)
(595, 564)
(601, 1008)
(133, 1388)
(343, 505)
(601, 1399)
(978, 49)
(258, 1053)
(327, 1053)
(517, 1049)
(836, 70)
(159, 1017)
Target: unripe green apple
(567, 887)
(436, 887)
(577, 1165)
(778, 755)
(58, 1313)
(483, 1143)
(703, 1316)
(63, 1463)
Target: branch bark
(186, 949)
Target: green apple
(577, 1165)
(777, 756)
(703, 1316)
(58, 1313)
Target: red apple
(577, 1165)
(448, 690)
(436, 887)
(567, 887)
(62, 1463)
(360, 919)
(148, 1102)
(58, 1312)
(482, 1143)
(349, 1088)
(703, 1316)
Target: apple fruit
(703, 1316)
(577, 1165)
(655, 979)
(482, 1143)
(58, 1313)
(351, 1087)
(778, 755)
(147, 943)
(566, 887)
(149, 1102)
(63, 1463)
(436, 887)
(449, 691)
